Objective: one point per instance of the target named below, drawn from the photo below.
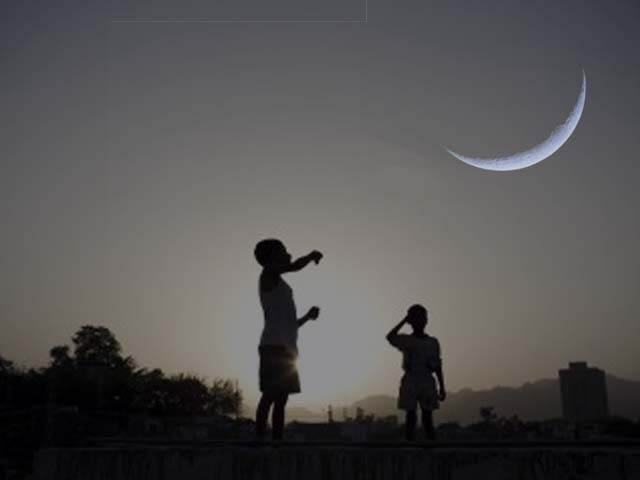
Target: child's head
(271, 251)
(417, 317)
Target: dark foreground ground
(324, 461)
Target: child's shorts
(416, 390)
(278, 372)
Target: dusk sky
(142, 160)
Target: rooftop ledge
(325, 461)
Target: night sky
(141, 160)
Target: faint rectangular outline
(247, 20)
(227, 21)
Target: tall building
(584, 393)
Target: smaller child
(421, 359)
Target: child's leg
(262, 413)
(278, 415)
(427, 424)
(410, 424)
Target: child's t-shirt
(280, 317)
(421, 355)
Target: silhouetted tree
(96, 375)
(186, 395)
(63, 381)
(108, 379)
(224, 398)
(149, 391)
(511, 425)
(6, 371)
(96, 346)
(488, 422)
(28, 388)
(60, 357)
(488, 414)
(6, 366)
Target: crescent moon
(538, 153)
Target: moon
(536, 154)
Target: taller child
(278, 347)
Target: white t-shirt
(280, 317)
(421, 355)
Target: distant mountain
(532, 401)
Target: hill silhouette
(537, 400)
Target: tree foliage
(97, 376)
(96, 346)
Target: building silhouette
(584, 393)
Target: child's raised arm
(394, 331)
(300, 263)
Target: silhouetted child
(278, 347)
(421, 359)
